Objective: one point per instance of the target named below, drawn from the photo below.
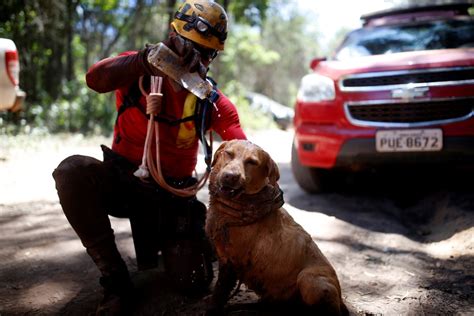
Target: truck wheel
(309, 179)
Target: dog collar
(249, 208)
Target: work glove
(189, 56)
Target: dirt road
(402, 243)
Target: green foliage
(58, 41)
(270, 59)
(38, 28)
(80, 110)
(249, 11)
(244, 54)
(285, 33)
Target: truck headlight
(314, 88)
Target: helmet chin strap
(153, 166)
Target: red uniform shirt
(178, 143)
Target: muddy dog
(257, 242)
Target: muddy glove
(188, 54)
(150, 70)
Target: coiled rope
(149, 165)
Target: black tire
(311, 180)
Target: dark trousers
(90, 190)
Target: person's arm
(225, 120)
(115, 72)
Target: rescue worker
(90, 190)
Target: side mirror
(315, 62)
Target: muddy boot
(118, 295)
(118, 287)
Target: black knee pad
(187, 254)
(189, 264)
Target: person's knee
(72, 169)
(80, 194)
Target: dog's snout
(231, 179)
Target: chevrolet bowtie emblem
(410, 93)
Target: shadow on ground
(413, 199)
(424, 206)
(44, 269)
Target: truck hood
(398, 61)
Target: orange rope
(148, 165)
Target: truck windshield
(389, 39)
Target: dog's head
(240, 166)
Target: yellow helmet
(203, 22)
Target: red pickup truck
(398, 91)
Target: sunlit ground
(382, 268)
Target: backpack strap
(165, 120)
(130, 100)
(203, 114)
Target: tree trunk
(71, 7)
(85, 38)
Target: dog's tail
(321, 293)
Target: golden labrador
(257, 241)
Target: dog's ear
(217, 153)
(273, 171)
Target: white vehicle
(282, 115)
(11, 96)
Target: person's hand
(189, 55)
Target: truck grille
(385, 80)
(411, 112)
(415, 77)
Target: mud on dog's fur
(257, 241)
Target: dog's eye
(229, 154)
(252, 162)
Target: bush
(79, 109)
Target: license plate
(409, 140)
